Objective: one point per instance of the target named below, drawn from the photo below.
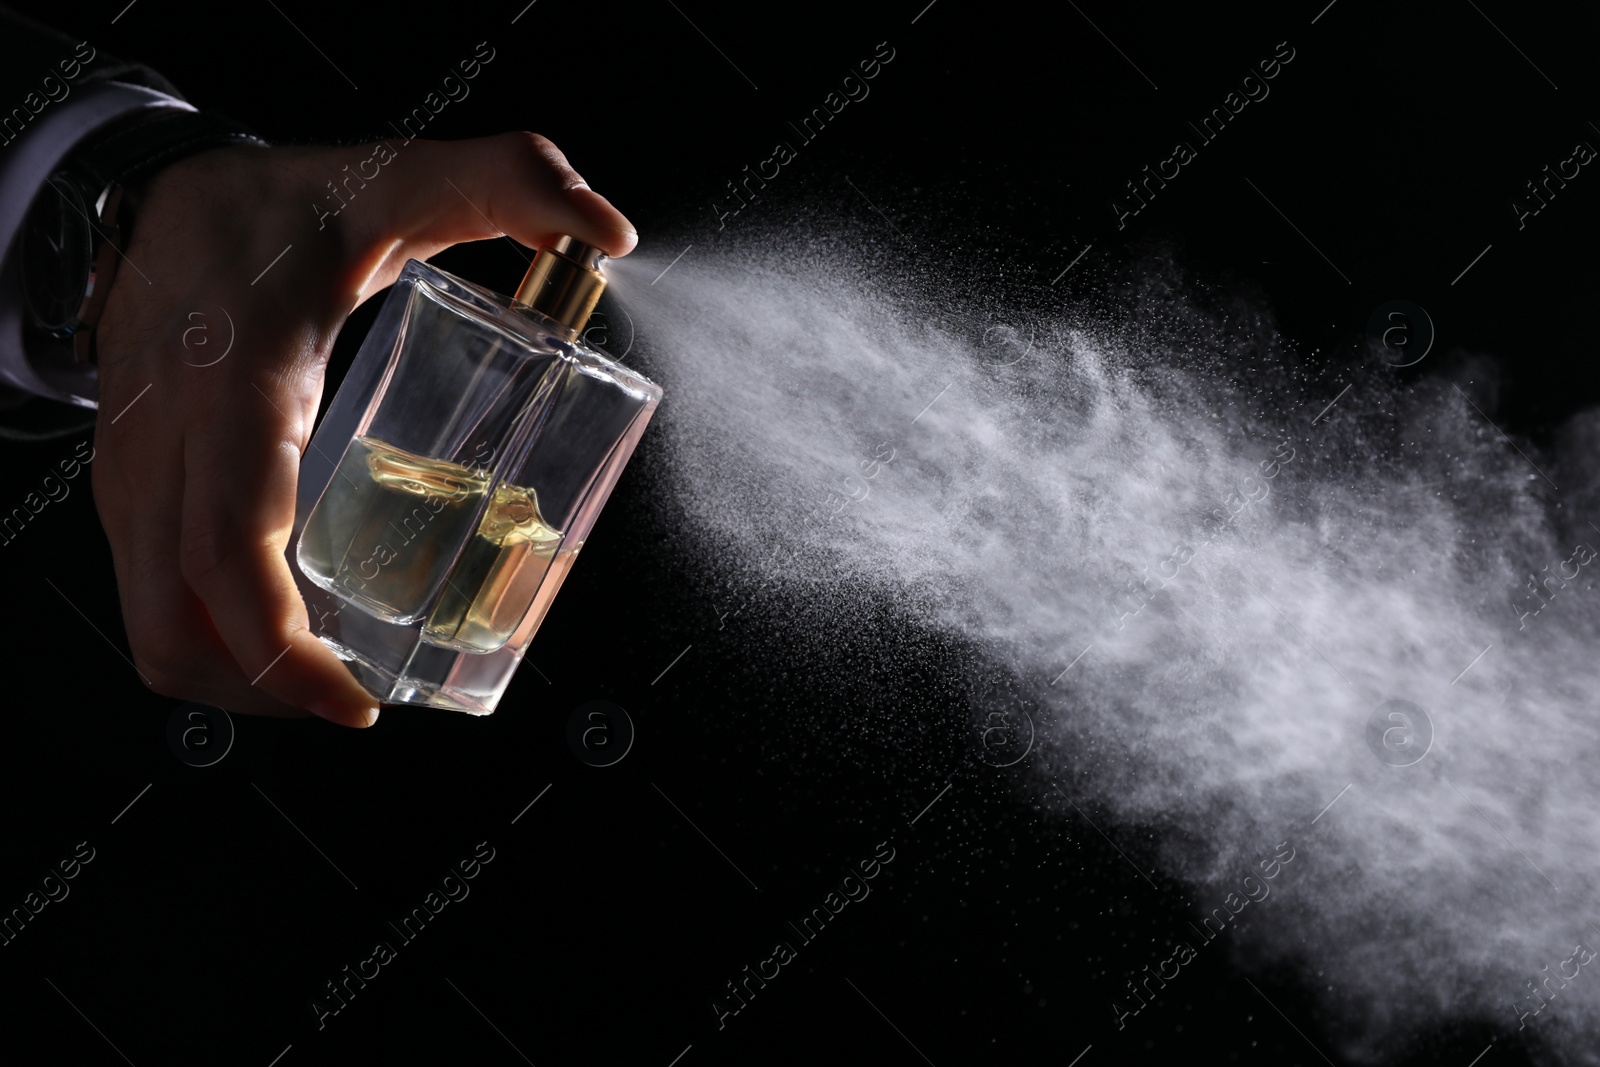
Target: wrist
(74, 237)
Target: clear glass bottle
(456, 475)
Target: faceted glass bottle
(456, 475)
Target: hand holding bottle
(197, 453)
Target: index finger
(516, 184)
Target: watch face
(57, 246)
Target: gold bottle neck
(564, 283)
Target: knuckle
(541, 153)
(535, 142)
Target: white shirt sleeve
(25, 164)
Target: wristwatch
(73, 238)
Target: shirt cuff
(25, 165)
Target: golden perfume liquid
(383, 541)
(498, 575)
(397, 511)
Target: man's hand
(195, 465)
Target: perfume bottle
(458, 470)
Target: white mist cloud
(1038, 475)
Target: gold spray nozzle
(564, 282)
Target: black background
(1004, 927)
